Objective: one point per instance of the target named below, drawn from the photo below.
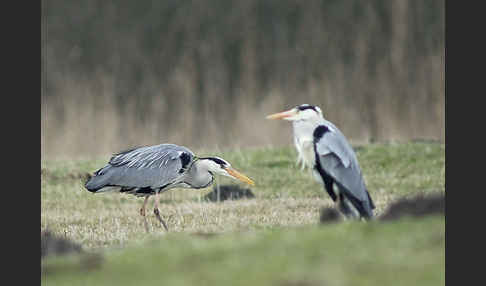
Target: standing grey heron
(333, 159)
(151, 170)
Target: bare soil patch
(229, 192)
(417, 206)
(53, 245)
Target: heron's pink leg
(142, 213)
(156, 211)
(142, 210)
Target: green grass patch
(405, 252)
(273, 239)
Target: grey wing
(335, 142)
(152, 166)
(338, 159)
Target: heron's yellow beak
(239, 176)
(282, 115)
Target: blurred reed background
(204, 74)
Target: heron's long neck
(304, 138)
(198, 175)
(305, 128)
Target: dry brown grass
(114, 223)
(284, 196)
(208, 79)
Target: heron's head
(222, 167)
(300, 112)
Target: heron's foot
(157, 214)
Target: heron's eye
(223, 165)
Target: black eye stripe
(304, 107)
(216, 160)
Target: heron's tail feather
(372, 204)
(364, 208)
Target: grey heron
(333, 160)
(151, 170)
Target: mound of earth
(52, 245)
(228, 192)
(329, 215)
(418, 206)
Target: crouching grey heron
(333, 159)
(151, 170)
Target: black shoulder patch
(320, 131)
(185, 159)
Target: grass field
(272, 239)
